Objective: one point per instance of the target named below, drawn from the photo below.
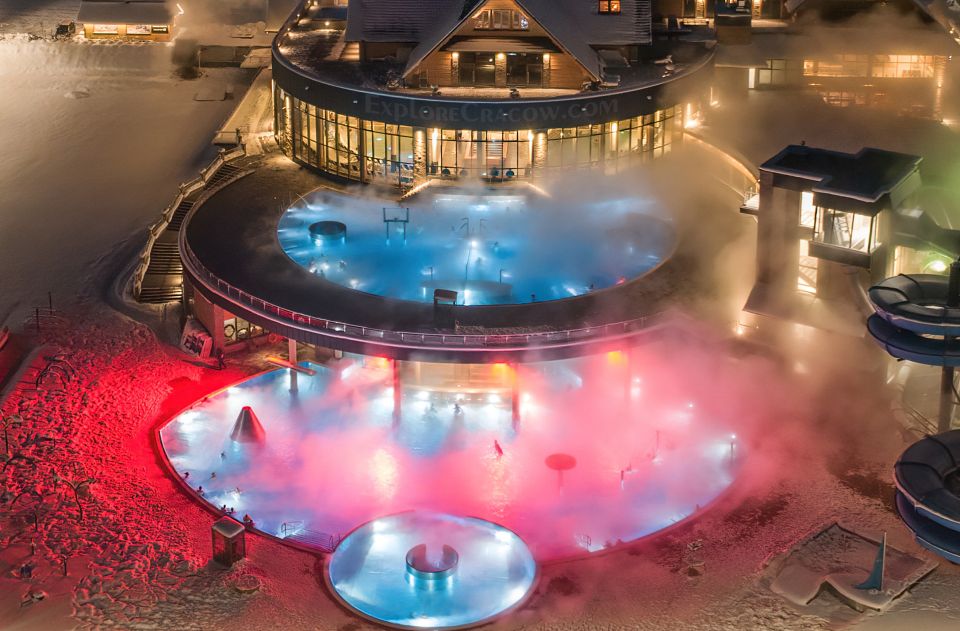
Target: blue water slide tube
(904, 344)
(916, 302)
(926, 497)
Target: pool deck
(233, 234)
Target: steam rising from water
(656, 436)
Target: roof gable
(568, 41)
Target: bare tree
(75, 485)
(36, 508)
(7, 423)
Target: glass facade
(402, 155)
(846, 230)
(238, 330)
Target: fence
(566, 337)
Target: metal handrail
(156, 228)
(409, 338)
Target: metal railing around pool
(565, 337)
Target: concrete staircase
(163, 279)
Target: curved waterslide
(913, 320)
(927, 482)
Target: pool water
(490, 249)
(336, 455)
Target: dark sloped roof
(400, 20)
(574, 24)
(124, 12)
(866, 175)
(580, 17)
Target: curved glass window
(402, 155)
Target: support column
(397, 407)
(947, 394)
(500, 70)
(419, 154)
(211, 317)
(539, 151)
(778, 245)
(515, 396)
(292, 358)
(627, 385)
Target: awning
(612, 58)
(501, 45)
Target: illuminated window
(807, 210)
(105, 29)
(846, 230)
(903, 66)
(138, 29)
(807, 270)
(500, 20)
(836, 66)
(608, 6)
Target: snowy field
(97, 138)
(100, 136)
(36, 17)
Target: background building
(509, 90)
(127, 19)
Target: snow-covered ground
(139, 556)
(36, 17)
(96, 139)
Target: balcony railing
(332, 328)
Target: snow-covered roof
(124, 12)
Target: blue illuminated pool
(490, 249)
(494, 571)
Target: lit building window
(846, 230)
(374, 151)
(501, 20)
(608, 6)
(807, 209)
(807, 270)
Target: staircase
(224, 173)
(179, 215)
(351, 52)
(163, 279)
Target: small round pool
(489, 249)
(494, 570)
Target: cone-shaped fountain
(247, 429)
(459, 570)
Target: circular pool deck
(233, 257)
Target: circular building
(402, 92)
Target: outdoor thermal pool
(490, 248)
